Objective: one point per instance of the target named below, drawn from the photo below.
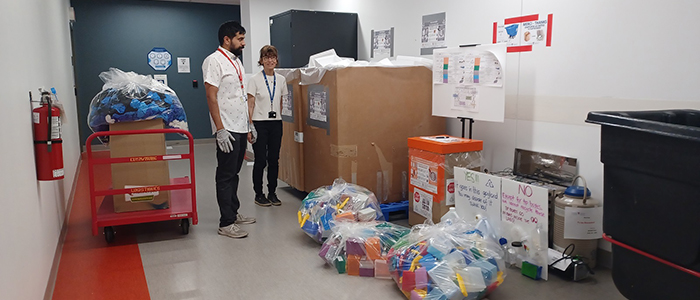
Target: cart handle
(88, 143)
(661, 260)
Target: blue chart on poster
(159, 59)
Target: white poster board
(526, 206)
(478, 194)
(469, 82)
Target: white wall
(35, 53)
(255, 16)
(620, 55)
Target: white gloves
(224, 139)
(254, 132)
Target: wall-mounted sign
(183, 64)
(159, 59)
(522, 33)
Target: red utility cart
(183, 203)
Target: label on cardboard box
(450, 191)
(423, 203)
(139, 197)
(424, 174)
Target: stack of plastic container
(450, 260)
(360, 249)
(342, 201)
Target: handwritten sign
(478, 194)
(526, 206)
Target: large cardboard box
(292, 152)
(432, 160)
(127, 175)
(357, 121)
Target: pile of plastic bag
(361, 248)
(341, 201)
(450, 260)
(128, 97)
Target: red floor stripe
(89, 267)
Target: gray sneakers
(240, 219)
(233, 231)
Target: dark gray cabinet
(298, 34)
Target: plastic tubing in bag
(341, 201)
(128, 97)
(449, 260)
(361, 248)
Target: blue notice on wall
(159, 59)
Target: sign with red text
(524, 205)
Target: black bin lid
(678, 123)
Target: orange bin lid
(445, 144)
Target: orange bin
(431, 161)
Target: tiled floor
(277, 260)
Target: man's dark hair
(229, 29)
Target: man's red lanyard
(240, 75)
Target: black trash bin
(652, 197)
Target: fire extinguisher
(48, 145)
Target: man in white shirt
(228, 109)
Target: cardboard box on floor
(369, 114)
(139, 173)
(291, 160)
(431, 176)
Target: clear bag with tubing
(129, 97)
(453, 259)
(361, 248)
(341, 201)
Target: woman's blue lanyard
(274, 87)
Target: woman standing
(265, 91)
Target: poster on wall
(183, 64)
(432, 33)
(382, 43)
(522, 33)
(162, 78)
(159, 59)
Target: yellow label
(143, 158)
(142, 199)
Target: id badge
(272, 115)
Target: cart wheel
(185, 225)
(109, 234)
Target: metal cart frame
(183, 204)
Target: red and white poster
(522, 33)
